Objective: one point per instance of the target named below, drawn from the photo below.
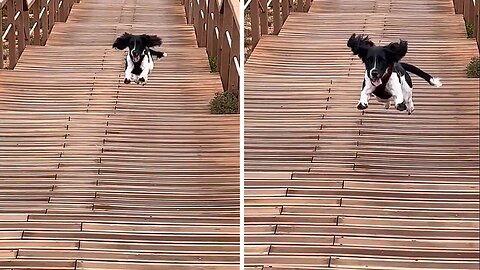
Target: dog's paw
(142, 81)
(401, 106)
(362, 106)
(126, 81)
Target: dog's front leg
(147, 66)
(143, 77)
(128, 70)
(365, 95)
(397, 93)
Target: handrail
(279, 10)
(471, 13)
(23, 29)
(217, 27)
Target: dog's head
(377, 59)
(137, 44)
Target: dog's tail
(158, 54)
(422, 74)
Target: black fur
(376, 58)
(139, 47)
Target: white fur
(436, 82)
(399, 88)
(146, 66)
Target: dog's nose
(374, 73)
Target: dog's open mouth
(136, 58)
(376, 82)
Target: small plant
(224, 103)
(213, 63)
(469, 27)
(473, 68)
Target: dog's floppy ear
(396, 50)
(359, 44)
(122, 41)
(151, 41)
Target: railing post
(1, 39)
(264, 16)
(308, 3)
(277, 24)
(300, 6)
(234, 79)
(21, 26)
(226, 46)
(285, 10)
(255, 21)
(44, 22)
(36, 18)
(12, 44)
(477, 22)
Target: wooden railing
(261, 12)
(217, 27)
(471, 12)
(28, 22)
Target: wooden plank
(407, 186)
(97, 174)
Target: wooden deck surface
(95, 174)
(328, 186)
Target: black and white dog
(385, 77)
(139, 61)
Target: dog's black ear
(359, 44)
(151, 41)
(122, 41)
(396, 50)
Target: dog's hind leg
(409, 100)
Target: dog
(386, 77)
(139, 61)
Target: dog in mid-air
(139, 61)
(385, 77)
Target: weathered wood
(207, 29)
(329, 186)
(99, 174)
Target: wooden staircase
(329, 186)
(95, 174)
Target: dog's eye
(370, 59)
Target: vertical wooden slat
(1, 40)
(255, 20)
(51, 15)
(264, 16)
(226, 49)
(36, 19)
(285, 10)
(21, 26)
(234, 79)
(468, 11)
(44, 22)
(12, 42)
(477, 22)
(203, 21)
(456, 5)
(308, 3)
(211, 37)
(300, 6)
(277, 24)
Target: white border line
(242, 141)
